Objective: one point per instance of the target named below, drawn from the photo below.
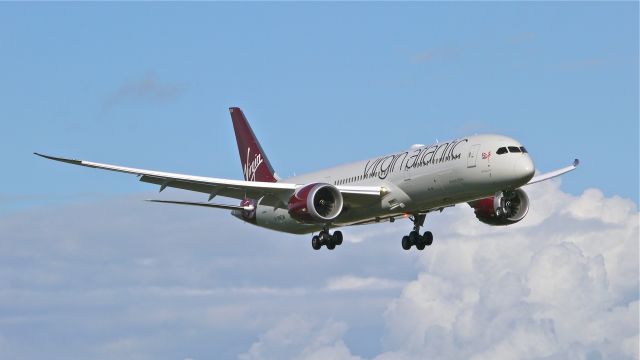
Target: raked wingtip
(55, 158)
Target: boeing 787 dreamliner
(488, 172)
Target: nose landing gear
(414, 237)
(327, 239)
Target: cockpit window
(502, 150)
(523, 149)
(514, 149)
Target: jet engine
(315, 203)
(504, 208)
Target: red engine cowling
(316, 203)
(504, 208)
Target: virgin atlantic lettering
(249, 169)
(425, 156)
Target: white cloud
(296, 337)
(350, 282)
(593, 205)
(562, 284)
(176, 282)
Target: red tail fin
(255, 165)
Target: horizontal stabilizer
(217, 206)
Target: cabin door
(473, 155)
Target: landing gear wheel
(406, 243)
(414, 237)
(428, 238)
(327, 239)
(337, 237)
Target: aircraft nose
(523, 168)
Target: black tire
(325, 238)
(315, 242)
(420, 245)
(414, 237)
(337, 237)
(331, 245)
(406, 243)
(428, 238)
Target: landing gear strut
(414, 237)
(327, 239)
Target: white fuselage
(417, 180)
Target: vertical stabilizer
(255, 165)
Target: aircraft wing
(217, 206)
(552, 174)
(273, 193)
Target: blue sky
(370, 78)
(148, 85)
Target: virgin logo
(251, 167)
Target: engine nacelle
(504, 208)
(316, 203)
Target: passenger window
(514, 149)
(523, 149)
(502, 150)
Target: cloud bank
(128, 279)
(562, 285)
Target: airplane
(487, 172)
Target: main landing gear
(414, 237)
(325, 238)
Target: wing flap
(221, 190)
